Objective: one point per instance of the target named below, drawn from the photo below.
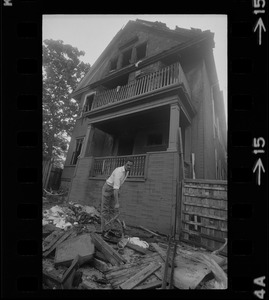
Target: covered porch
(110, 142)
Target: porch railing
(104, 166)
(167, 76)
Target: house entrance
(126, 145)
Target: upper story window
(141, 51)
(88, 103)
(126, 58)
(113, 64)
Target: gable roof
(190, 35)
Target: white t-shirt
(117, 177)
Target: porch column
(173, 129)
(86, 141)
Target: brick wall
(149, 203)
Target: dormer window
(126, 58)
(113, 64)
(141, 51)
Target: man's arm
(116, 197)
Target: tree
(62, 71)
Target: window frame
(74, 157)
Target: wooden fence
(204, 213)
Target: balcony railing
(167, 76)
(104, 166)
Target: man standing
(110, 194)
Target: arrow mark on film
(260, 167)
(261, 26)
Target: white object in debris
(44, 222)
(56, 209)
(138, 242)
(91, 210)
(63, 225)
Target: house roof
(191, 36)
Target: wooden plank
(206, 206)
(171, 278)
(113, 256)
(51, 239)
(61, 239)
(144, 259)
(148, 286)
(128, 273)
(100, 265)
(152, 232)
(204, 216)
(140, 276)
(161, 252)
(164, 281)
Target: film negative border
(21, 140)
(247, 153)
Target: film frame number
(258, 167)
(259, 26)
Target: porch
(102, 167)
(165, 78)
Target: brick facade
(149, 203)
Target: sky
(92, 33)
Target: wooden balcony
(104, 166)
(166, 77)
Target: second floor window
(88, 103)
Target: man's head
(128, 164)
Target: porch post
(173, 129)
(86, 141)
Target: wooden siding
(204, 220)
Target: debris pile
(77, 256)
(64, 217)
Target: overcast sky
(92, 33)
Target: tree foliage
(62, 71)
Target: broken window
(141, 51)
(126, 58)
(113, 64)
(155, 139)
(77, 151)
(88, 103)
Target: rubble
(77, 256)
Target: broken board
(140, 276)
(188, 274)
(81, 245)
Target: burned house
(153, 95)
